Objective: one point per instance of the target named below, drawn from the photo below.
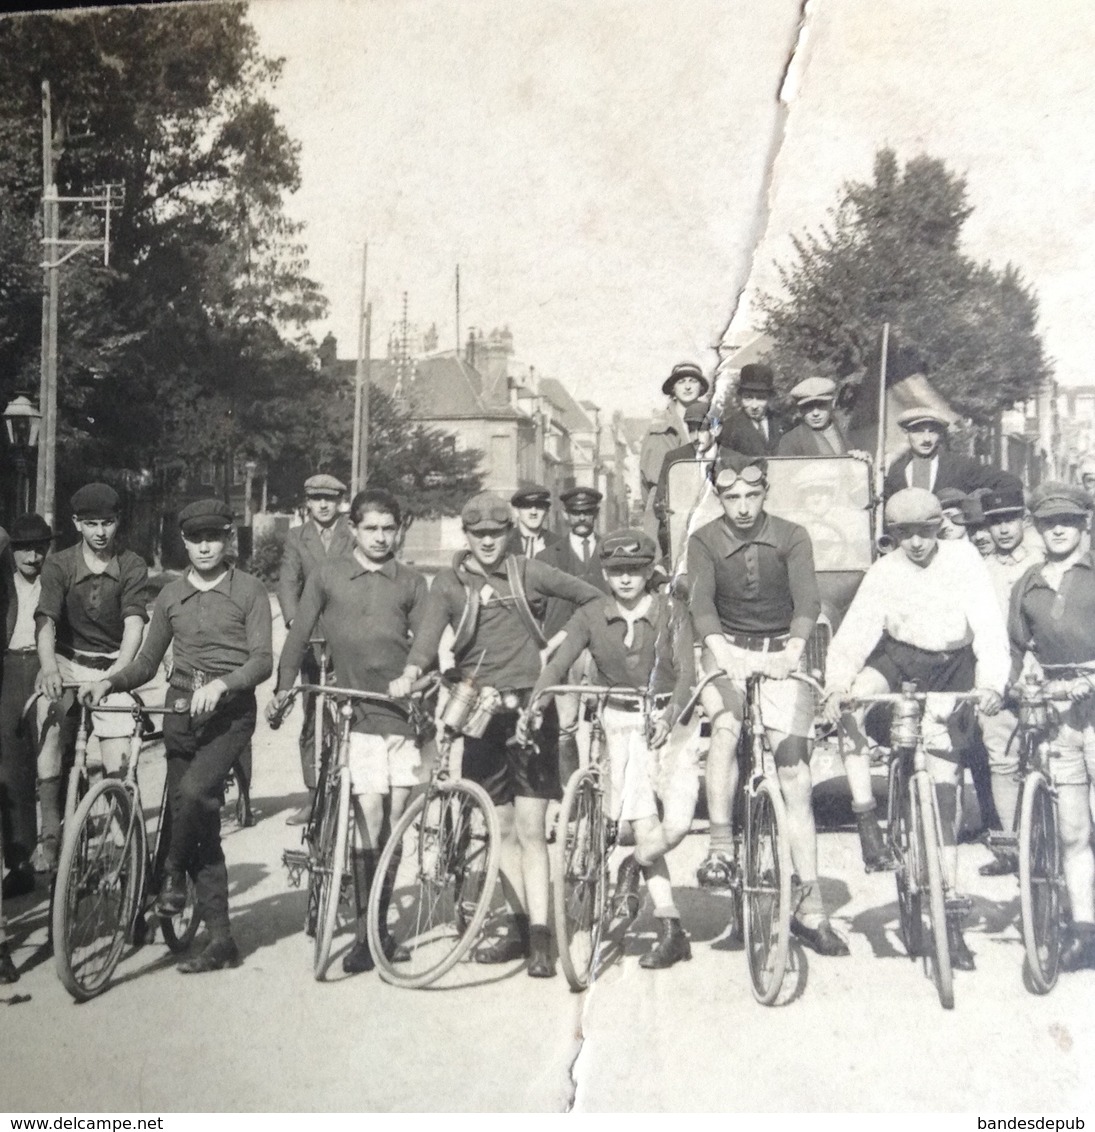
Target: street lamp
(22, 420)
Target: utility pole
(359, 455)
(107, 198)
(458, 342)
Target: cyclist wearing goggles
(754, 604)
(498, 644)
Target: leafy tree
(892, 253)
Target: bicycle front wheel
(178, 930)
(931, 880)
(580, 872)
(1040, 879)
(99, 878)
(899, 808)
(434, 883)
(767, 891)
(334, 839)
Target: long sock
(1005, 792)
(811, 908)
(721, 836)
(49, 795)
(657, 880)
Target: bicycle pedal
(996, 839)
(958, 905)
(296, 863)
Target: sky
(602, 170)
(594, 168)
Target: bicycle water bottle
(905, 729)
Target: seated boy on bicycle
(638, 640)
(371, 606)
(754, 605)
(1053, 615)
(927, 614)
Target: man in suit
(818, 433)
(323, 535)
(578, 554)
(529, 536)
(753, 429)
(928, 463)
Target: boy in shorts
(638, 640)
(371, 606)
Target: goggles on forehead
(750, 474)
(631, 549)
(494, 516)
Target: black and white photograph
(546, 560)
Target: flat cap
(1003, 501)
(732, 466)
(913, 505)
(972, 512)
(696, 413)
(205, 515)
(950, 497)
(486, 511)
(536, 495)
(814, 389)
(581, 499)
(95, 501)
(30, 530)
(921, 414)
(323, 484)
(1053, 499)
(628, 547)
(685, 369)
(756, 377)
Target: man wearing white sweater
(926, 613)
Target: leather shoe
(358, 959)
(1078, 952)
(302, 815)
(627, 887)
(877, 856)
(1006, 864)
(8, 973)
(716, 870)
(821, 939)
(18, 882)
(394, 952)
(540, 963)
(962, 959)
(172, 898)
(503, 950)
(216, 955)
(673, 947)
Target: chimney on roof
(469, 349)
(493, 362)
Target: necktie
(325, 538)
(530, 546)
(585, 550)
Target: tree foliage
(892, 253)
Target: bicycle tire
(1040, 883)
(580, 887)
(99, 878)
(335, 842)
(938, 956)
(445, 849)
(909, 910)
(766, 891)
(178, 930)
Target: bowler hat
(30, 530)
(205, 515)
(685, 369)
(95, 501)
(756, 377)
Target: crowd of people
(978, 582)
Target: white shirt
(22, 636)
(577, 544)
(940, 607)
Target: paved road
(864, 1032)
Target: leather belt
(88, 659)
(759, 644)
(192, 681)
(30, 650)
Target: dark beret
(95, 501)
(30, 530)
(581, 499)
(205, 515)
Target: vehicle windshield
(828, 495)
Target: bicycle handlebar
(405, 707)
(802, 677)
(902, 697)
(601, 690)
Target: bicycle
(438, 868)
(8, 973)
(109, 872)
(916, 836)
(1036, 842)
